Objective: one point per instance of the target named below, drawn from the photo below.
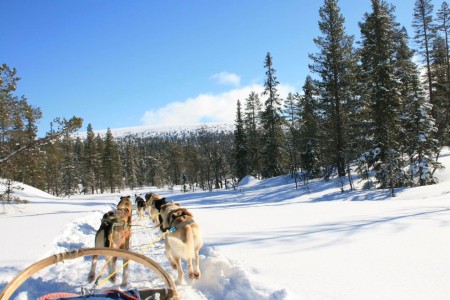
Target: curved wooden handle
(51, 260)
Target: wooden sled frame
(170, 292)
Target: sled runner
(169, 292)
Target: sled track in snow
(221, 279)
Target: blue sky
(132, 63)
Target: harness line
(122, 238)
(169, 230)
(140, 252)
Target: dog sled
(168, 292)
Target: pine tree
(253, 108)
(381, 90)
(424, 35)
(240, 145)
(90, 160)
(20, 156)
(175, 164)
(292, 115)
(335, 64)
(418, 126)
(112, 169)
(443, 26)
(309, 131)
(70, 175)
(130, 164)
(272, 121)
(438, 58)
(192, 165)
(98, 165)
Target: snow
(161, 131)
(263, 240)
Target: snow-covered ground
(264, 240)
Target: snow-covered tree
(273, 138)
(380, 88)
(424, 35)
(252, 115)
(309, 131)
(112, 168)
(240, 145)
(335, 63)
(292, 115)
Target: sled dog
(183, 241)
(140, 206)
(154, 203)
(114, 232)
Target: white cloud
(227, 78)
(205, 107)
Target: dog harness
(174, 218)
(111, 221)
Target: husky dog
(183, 241)
(140, 206)
(154, 203)
(114, 232)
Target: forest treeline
(367, 107)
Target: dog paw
(113, 279)
(197, 275)
(194, 275)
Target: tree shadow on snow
(312, 237)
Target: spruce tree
(112, 169)
(70, 174)
(292, 115)
(252, 115)
(381, 90)
(438, 58)
(175, 164)
(309, 125)
(424, 35)
(418, 126)
(273, 138)
(240, 145)
(335, 64)
(100, 182)
(130, 164)
(90, 160)
(443, 27)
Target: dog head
(166, 210)
(125, 208)
(158, 203)
(149, 197)
(138, 198)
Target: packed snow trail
(146, 239)
(220, 278)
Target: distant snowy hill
(160, 131)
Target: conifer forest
(375, 106)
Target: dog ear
(187, 212)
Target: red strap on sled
(57, 295)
